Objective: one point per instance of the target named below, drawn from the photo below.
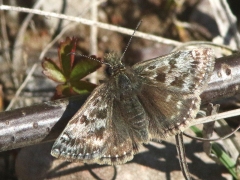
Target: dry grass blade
(182, 156)
(93, 23)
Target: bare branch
(39, 123)
(224, 80)
(44, 122)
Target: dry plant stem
(26, 126)
(93, 38)
(94, 32)
(22, 86)
(22, 126)
(44, 51)
(90, 22)
(17, 53)
(4, 39)
(231, 144)
(212, 139)
(182, 156)
(226, 21)
(216, 117)
(63, 30)
(208, 129)
(60, 22)
(226, 49)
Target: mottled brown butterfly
(150, 100)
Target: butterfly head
(114, 63)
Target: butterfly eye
(109, 71)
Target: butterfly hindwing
(129, 127)
(168, 114)
(120, 147)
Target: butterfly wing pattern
(108, 128)
(93, 134)
(171, 88)
(152, 100)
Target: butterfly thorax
(114, 63)
(117, 69)
(126, 82)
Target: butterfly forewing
(182, 71)
(171, 86)
(86, 134)
(109, 127)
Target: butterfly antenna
(94, 59)
(130, 40)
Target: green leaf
(82, 68)
(52, 71)
(220, 153)
(197, 131)
(70, 70)
(224, 159)
(64, 90)
(82, 87)
(66, 54)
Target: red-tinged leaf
(52, 71)
(70, 70)
(82, 87)
(64, 90)
(82, 68)
(66, 55)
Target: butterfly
(152, 99)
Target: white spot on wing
(168, 98)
